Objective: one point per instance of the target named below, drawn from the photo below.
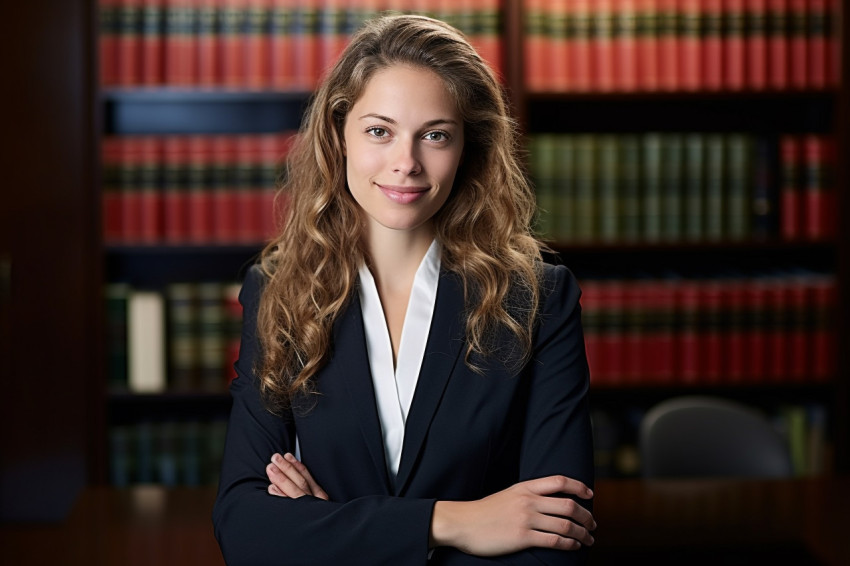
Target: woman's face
(403, 143)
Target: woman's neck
(395, 255)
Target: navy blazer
(468, 435)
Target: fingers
(291, 478)
(315, 489)
(559, 484)
(563, 528)
(559, 507)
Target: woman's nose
(405, 160)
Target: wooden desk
(683, 522)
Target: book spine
(209, 13)
(200, 199)
(740, 185)
(542, 153)
(591, 315)
(671, 188)
(558, 77)
(183, 345)
(661, 302)
(232, 43)
(688, 362)
(755, 44)
(734, 44)
(755, 326)
(648, 46)
(108, 33)
(270, 146)
(151, 42)
(715, 188)
(798, 354)
(587, 180)
(488, 17)
(117, 295)
(128, 43)
(778, 44)
(175, 190)
(765, 220)
(537, 67)
(613, 315)
(652, 175)
(777, 329)
(625, 45)
(180, 47)
(609, 198)
(149, 189)
(713, 44)
(257, 44)
(791, 203)
(211, 316)
(629, 184)
(145, 342)
(818, 203)
(113, 230)
(818, 43)
(581, 18)
(691, 61)
(247, 183)
(332, 32)
(282, 59)
(734, 304)
(224, 192)
(669, 45)
(694, 186)
(636, 328)
(602, 46)
(565, 187)
(712, 331)
(306, 39)
(798, 12)
(823, 299)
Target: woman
(404, 336)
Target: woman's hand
(291, 478)
(522, 516)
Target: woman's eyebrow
(427, 124)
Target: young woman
(403, 336)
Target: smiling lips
(403, 195)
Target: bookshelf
(242, 106)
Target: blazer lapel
(445, 341)
(352, 356)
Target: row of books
(185, 338)
(170, 453)
(774, 328)
(673, 45)
(671, 187)
(803, 426)
(256, 44)
(192, 189)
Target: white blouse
(394, 388)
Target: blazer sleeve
(255, 528)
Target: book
(146, 342)
(183, 332)
(755, 44)
(116, 295)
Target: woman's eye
(436, 136)
(377, 132)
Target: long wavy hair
(484, 227)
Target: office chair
(696, 436)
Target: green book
(542, 164)
(211, 316)
(565, 188)
(183, 355)
(586, 181)
(652, 171)
(715, 187)
(740, 186)
(672, 174)
(630, 188)
(609, 198)
(694, 187)
(116, 335)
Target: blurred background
(690, 163)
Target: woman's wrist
(445, 523)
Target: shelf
(194, 111)
(126, 407)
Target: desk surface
(665, 522)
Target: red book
(798, 334)
(756, 328)
(819, 202)
(778, 44)
(711, 331)
(247, 189)
(819, 43)
(489, 43)
(269, 146)
(223, 183)
(556, 47)
(150, 193)
(602, 46)
(536, 48)
(660, 348)
(199, 191)
(636, 328)
(735, 346)
(152, 41)
(687, 341)
(612, 328)
(282, 58)
(307, 43)
(834, 12)
(669, 44)
(578, 48)
(332, 32)
(755, 44)
(206, 43)
(734, 45)
(175, 190)
(108, 15)
(257, 44)
(232, 42)
(777, 329)
(180, 48)
(791, 200)
(691, 61)
(799, 57)
(822, 302)
(111, 204)
(625, 46)
(128, 43)
(591, 310)
(647, 45)
(713, 44)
